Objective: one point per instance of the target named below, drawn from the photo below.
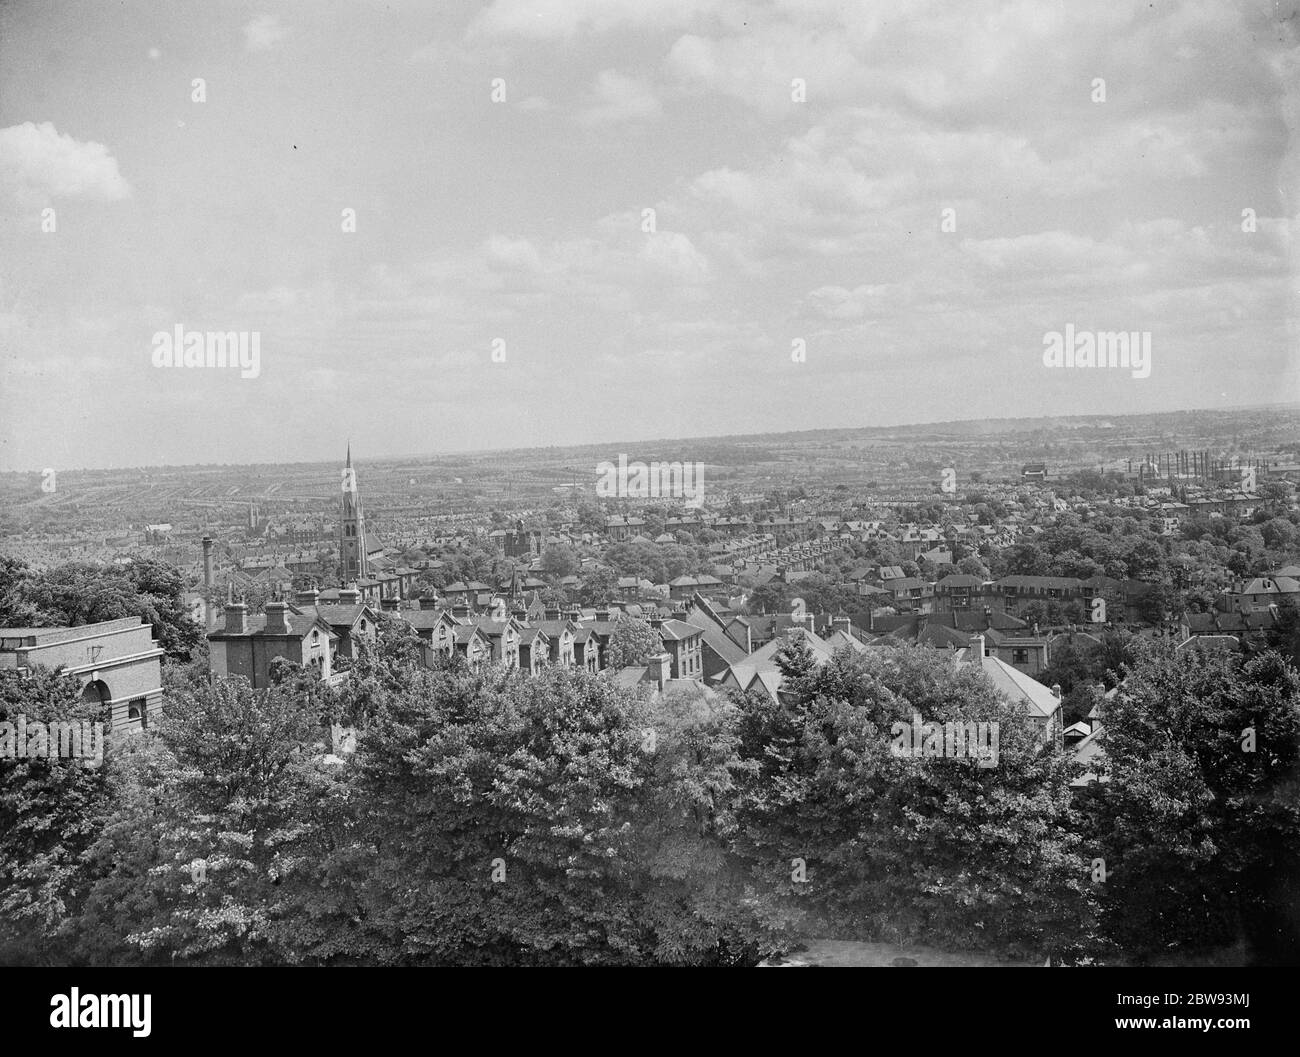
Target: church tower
(352, 528)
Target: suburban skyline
(798, 160)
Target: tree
(1198, 821)
(50, 813)
(631, 642)
(901, 847)
(598, 588)
(84, 593)
(535, 821)
(234, 783)
(16, 610)
(559, 560)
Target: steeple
(352, 527)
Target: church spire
(352, 527)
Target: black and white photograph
(651, 483)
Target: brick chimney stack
(658, 667)
(349, 596)
(277, 618)
(208, 614)
(307, 597)
(428, 601)
(236, 618)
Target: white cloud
(263, 33)
(38, 163)
(673, 254)
(561, 19)
(615, 97)
(836, 302)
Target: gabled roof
(1016, 686)
(300, 626)
(702, 616)
(468, 632)
(336, 616)
(763, 660)
(426, 618)
(678, 629)
(1271, 585)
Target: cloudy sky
(798, 156)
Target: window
(138, 712)
(1019, 656)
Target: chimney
(236, 618)
(1056, 691)
(657, 670)
(207, 581)
(307, 596)
(460, 611)
(277, 618)
(428, 601)
(390, 605)
(552, 613)
(349, 596)
(977, 650)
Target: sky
(579, 221)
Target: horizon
(613, 445)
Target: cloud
(263, 33)
(836, 302)
(565, 19)
(38, 163)
(671, 253)
(615, 97)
